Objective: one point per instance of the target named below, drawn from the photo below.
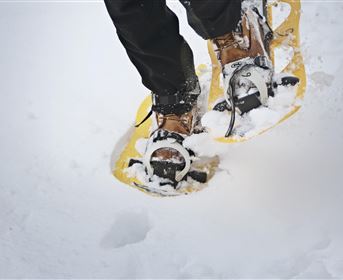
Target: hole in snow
(196, 270)
(128, 228)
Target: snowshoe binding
(166, 160)
(247, 69)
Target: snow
(68, 93)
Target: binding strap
(172, 144)
(176, 104)
(259, 81)
(248, 71)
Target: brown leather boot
(174, 124)
(182, 124)
(166, 156)
(246, 65)
(166, 160)
(248, 42)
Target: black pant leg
(213, 18)
(149, 31)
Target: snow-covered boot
(246, 66)
(247, 41)
(176, 117)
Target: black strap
(179, 98)
(145, 119)
(164, 134)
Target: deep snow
(67, 94)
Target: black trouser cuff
(179, 103)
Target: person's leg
(149, 31)
(213, 18)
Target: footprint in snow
(128, 228)
(197, 270)
(321, 79)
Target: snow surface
(67, 94)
